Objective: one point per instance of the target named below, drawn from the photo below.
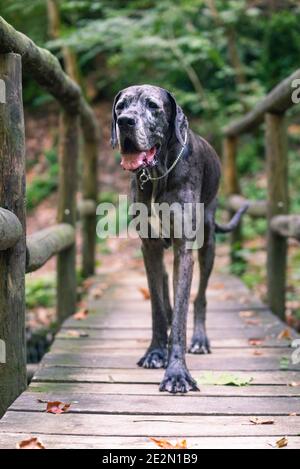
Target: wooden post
(89, 191)
(232, 186)
(12, 261)
(277, 175)
(67, 213)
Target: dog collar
(145, 175)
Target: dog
(170, 164)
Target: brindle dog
(153, 133)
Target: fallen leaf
(145, 292)
(255, 342)
(293, 414)
(81, 314)
(74, 333)
(57, 407)
(257, 421)
(31, 443)
(282, 443)
(285, 335)
(257, 353)
(168, 445)
(224, 379)
(294, 384)
(98, 291)
(247, 314)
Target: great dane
(170, 163)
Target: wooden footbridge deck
(115, 404)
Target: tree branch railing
(19, 255)
(272, 112)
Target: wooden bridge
(91, 364)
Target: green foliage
(186, 46)
(40, 292)
(43, 185)
(281, 47)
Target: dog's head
(144, 120)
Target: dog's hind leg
(156, 356)
(200, 342)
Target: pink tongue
(135, 160)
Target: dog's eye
(152, 105)
(120, 106)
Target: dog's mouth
(133, 158)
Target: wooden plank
(145, 425)
(9, 441)
(253, 353)
(216, 361)
(214, 332)
(141, 375)
(152, 389)
(116, 319)
(195, 404)
(83, 344)
(12, 261)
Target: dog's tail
(234, 222)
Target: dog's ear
(178, 120)
(114, 138)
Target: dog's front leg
(177, 377)
(157, 353)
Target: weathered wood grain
(216, 361)
(257, 208)
(195, 404)
(9, 441)
(115, 403)
(67, 213)
(44, 244)
(277, 101)
(60, 374)
(10, 229)
(12, 261)
(277, 176)
(145, 425)
(141, 389)
(287, 226)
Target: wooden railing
(19, 255)
(271, 111)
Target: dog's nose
(126, 121)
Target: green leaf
(284, 363)
(224, 379)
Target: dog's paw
(177, 379)
(200, 344)
(154, 358)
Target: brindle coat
(144, 116)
